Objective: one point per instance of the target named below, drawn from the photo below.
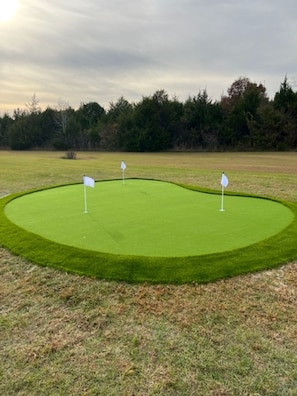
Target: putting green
(147, 218)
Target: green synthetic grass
(142, 260)
(147, 218)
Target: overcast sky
(78, 51)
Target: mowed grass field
(63, 334)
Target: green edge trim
(267, 254)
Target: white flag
(88, 181)
(123, 165)
(224, 180)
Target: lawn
(67, 334)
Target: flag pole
(123, 166)
(224, 183)
(222, 200)
(88, 182)
(85, 196)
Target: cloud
(98, 50)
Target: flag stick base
(222, 210)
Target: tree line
(244, 119)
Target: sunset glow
(8, 9)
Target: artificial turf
(147, 218)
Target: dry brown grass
(64, 334)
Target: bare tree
(63, 116)
(33, 106)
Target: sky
(81, 51)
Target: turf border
(269, 253)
